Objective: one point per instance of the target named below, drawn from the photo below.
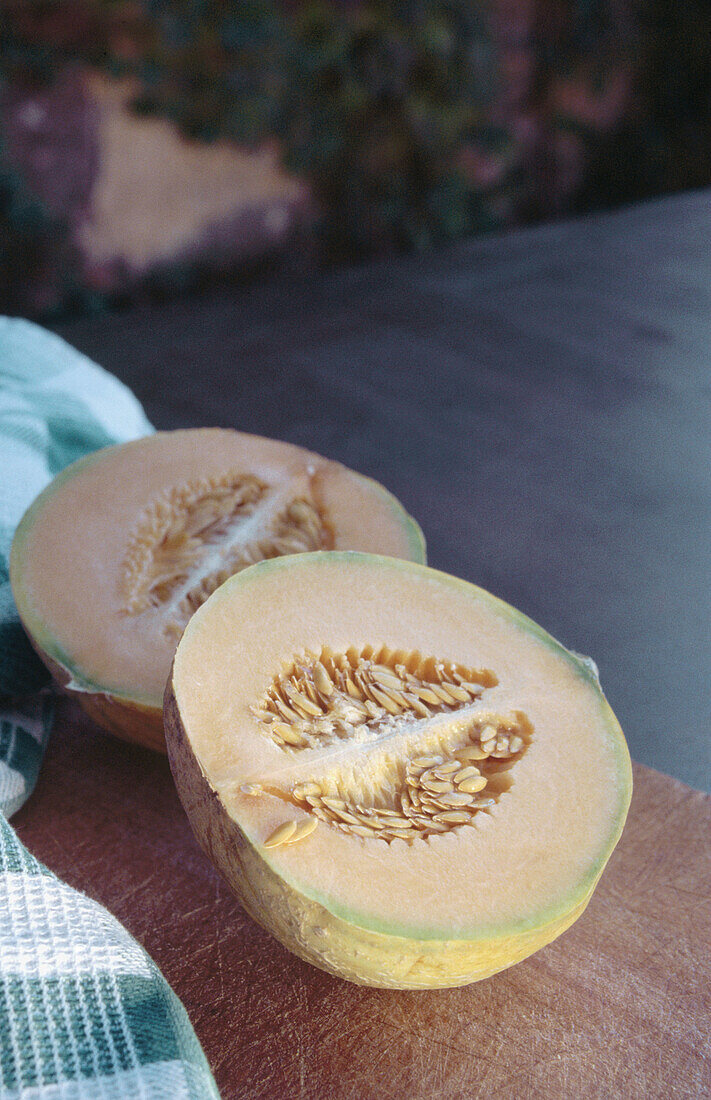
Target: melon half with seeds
(406, 781)
(112, 559)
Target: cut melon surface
(407, 781)
(110, 561)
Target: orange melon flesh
(72, 551)
(442, 910)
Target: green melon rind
(47, 644)
(581, 665)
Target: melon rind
(126, 718)
(341, 939)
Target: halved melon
(406, 781)
(111, 560)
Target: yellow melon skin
(316, 935)
(128, 721)
(125, 719)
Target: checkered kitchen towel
(84, 1012)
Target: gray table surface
(540, 401)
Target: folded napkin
(84, 1012)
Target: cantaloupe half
(406, 781)
(111, 560)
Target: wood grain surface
(619, 1006)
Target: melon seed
(385, 701)
(281, 835)
(427, 761)
(334, 803)
(472, 752)
(386, 678)
(306, 789)
(436, 785)
(343, 815)
(417, 705)
(473, 785)
(291, 736)
(428, 695)
(302, 701)
(303, 829)
(322, 680)
(444, 770)
(458, 693)
(457, 798)
(285, 731)
(466, 773)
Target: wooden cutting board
(619, 1006)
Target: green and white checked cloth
(84, 1012)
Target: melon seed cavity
(194, 536)
(376, 708)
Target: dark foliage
(378, 101)
(387, 108)
(372, 103)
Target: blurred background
(148, 147)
